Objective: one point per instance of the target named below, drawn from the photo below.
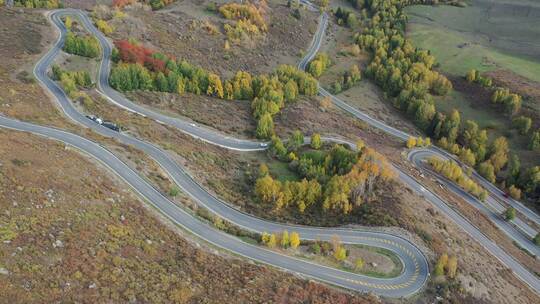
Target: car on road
(264, 145)
(95, 119)
(106, 124)
(111, 126)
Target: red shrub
(134, 53)
(122, 3)
(154, 64)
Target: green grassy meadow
(486, 35)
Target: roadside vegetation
(82, 45)
(445, 283)
(73, 82)
(453, 171)
(318, 65)
(370, 261)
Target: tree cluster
(347, 80)
(284, 239)
(130, 51)
(318, 65)
(79, 78)
(159, 4)
(248, 20)
(522, 180)
(402, 71)
(345, 17)
(338, 180)
(470, 143)
(510, 214)
(510, 101)
(144, 69)
(335, 249)
(272, 92)
(86, 46)
(122, 3)
(448, 265)
(71, 82)
(154, 4)
(453, 171)
(522, 124)
(534, 141)
(406, 75)
(473, 76)
(38, 3)
(104, 26)
(418, 142)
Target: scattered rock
(58, 244)
(49, 193)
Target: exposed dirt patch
(307, 116)
(373, 261)
(75, 63)
(231, 117)
(182, 30)
(84, 4)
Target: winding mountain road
(415, 266)
(414, 263)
